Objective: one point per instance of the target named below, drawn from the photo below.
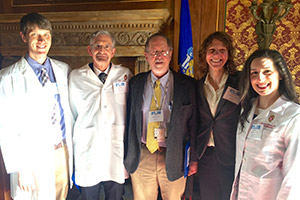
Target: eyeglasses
(157, 53)
(102, 47)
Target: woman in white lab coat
(267, 153)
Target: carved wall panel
(72, 30)
(63, 2)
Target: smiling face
(264, 78)
(158, 56)
(216, 55)
(38, 43)
(102, 51)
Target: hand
(26, 181)
(193, 168)
(126, 174)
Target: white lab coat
(26, 132)
(268, 158)
(100, 112)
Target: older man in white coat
(98, 102)
(35, 118)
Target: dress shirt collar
(37, 67)
(222, 82)
(97, 71)
(163, 80)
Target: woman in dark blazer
(219, 108)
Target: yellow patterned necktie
(151, 142)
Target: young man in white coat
(35, 118)
(98, 93)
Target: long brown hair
(286, 84)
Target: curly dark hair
(227, 41)
(286, 84)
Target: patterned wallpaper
(240, 24)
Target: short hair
(286, 83)
(227, 41)
(169, 43)
(29, 21)
(102, 32)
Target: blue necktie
(102, 76)
(62, 117)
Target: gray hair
(102, 32)
(169, 43)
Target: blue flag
(187, 159)
(186, 61)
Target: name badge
(256, 131)
(156, 116)
(232, 95)
(160, 134)
(120, 87)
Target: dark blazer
(182, 127)
(224, 124)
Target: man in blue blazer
(154, 154)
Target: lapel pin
(271, 118)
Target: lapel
(30, 86)
(61, 79)
(203, 98)
(30, 81)
(112, 74)
(248, 123)
(276, 109)
(90, 73)
(28, 73)
(139, 92)
(178, 96)
(230, 82)
(137, 99)
(58, 73)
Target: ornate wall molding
(22, 3)
(71, 31)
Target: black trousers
(215, 179)
(112, 190)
